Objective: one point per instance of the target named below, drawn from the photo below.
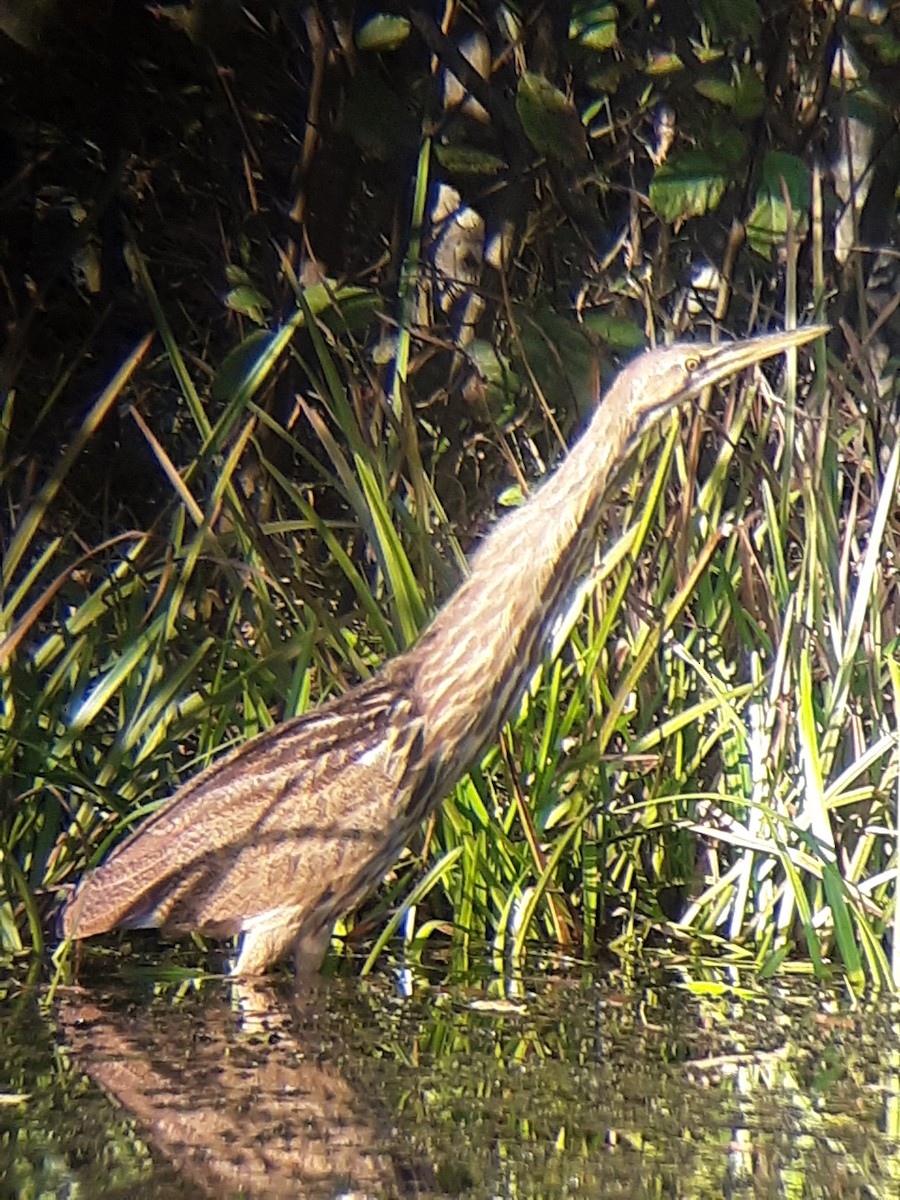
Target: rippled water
(555, 1085)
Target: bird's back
(309, 814)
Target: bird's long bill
(720, 362)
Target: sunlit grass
(706, 761)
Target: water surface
(555, 1085)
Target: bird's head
(662, 379)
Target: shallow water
(545, 1086)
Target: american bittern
(290, 831)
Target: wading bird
(291, 830)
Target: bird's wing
(306, 803)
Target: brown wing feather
(300, 811)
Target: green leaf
(597, 30)
(550, 122)
(325, 299)
(767, 224)
(237, 363)
(382, 33)
(236, 276)
(600, 37)
(744, 95)
(619, 332)
(726, 144)
(559, 353)
(842, 914)
(688, 186)
(663, 62)
(248, 301)
(717, 90)
(778, 165)
(406, 596)
(750, 95)
(467, 160)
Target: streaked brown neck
(490, 637)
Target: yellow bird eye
(692, 362)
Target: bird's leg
(310, 949)
(261, 946)
(266, 940)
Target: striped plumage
(279, 837)
(290, 831)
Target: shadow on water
(552, 1087)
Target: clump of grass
(706, 757)
(705, 764)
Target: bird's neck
(478, 655)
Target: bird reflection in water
(240, 1092)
